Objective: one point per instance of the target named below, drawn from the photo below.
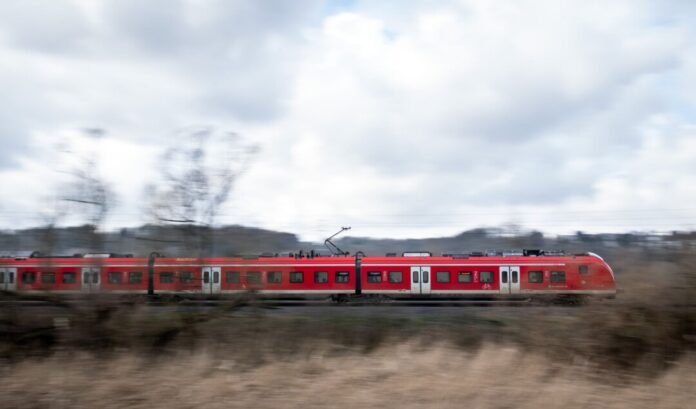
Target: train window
(166, 277)
(232, 277)
(206, 277)
(514, 274)
(216, 276)
(415, 276)
(504, 277)
(321, 277)
(535, 276)
(296, 277)
(186, 276)
(2, 277)
(426, 275)
(135, 277)
(442, 276)
(342, 277)
(396, 277)
(558, 277)
(114, 277)
(486, 276)
(274, 277)
(48, 278)
(253, 277)
(10, 277)
(69, 278)
(374, 277)
(584, 269)
(28, 277)
(464, 277)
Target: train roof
(298, 257)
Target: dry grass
(410, 375)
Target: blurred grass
(407, 375)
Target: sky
(398, 118)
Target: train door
(211, 280)
(420, 280)
(415, 280)
(509, 279)
(8, 279)
(514, 279)
(504, 280)
(91, 282)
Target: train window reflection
(442, 277)
(114, 277)
(232, 277)
(296, 277)
(396, 277)
(464, 277)
(166, 278)
(48, 278)
(535, 276)
(374, 277)
(321, 277)
(342, 277)
(135, 277)
(558, 277)
(254, 277)
(274, 277)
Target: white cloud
(399, 118)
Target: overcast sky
(403, 118)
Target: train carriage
(75, 274)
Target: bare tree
(85, 197)
(197, 176)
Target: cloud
(370, 111)
(54, 27)
(144, 70)
(472, 107)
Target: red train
(496, 275)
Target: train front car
(492, 275)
